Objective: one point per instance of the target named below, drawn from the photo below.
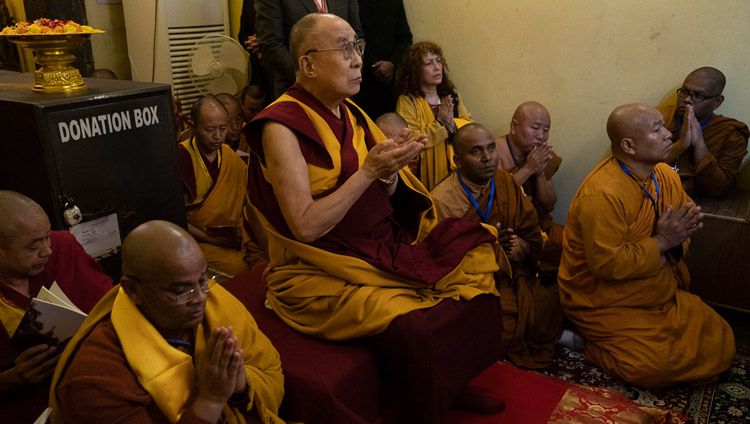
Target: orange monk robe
(119, 368)
(551, 231)
(629, 301)
(436, 159)
(529, 187)
(532, 316)
(726, 141)
(218, 204)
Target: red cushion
(338, 382)
(325, 382)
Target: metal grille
(181, 41)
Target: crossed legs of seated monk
(353, 243)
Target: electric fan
(218, 64)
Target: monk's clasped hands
(537, 159)
(674, 227)
(220, 367)
(691, 133)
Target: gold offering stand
(52, 53)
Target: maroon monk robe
(377, 229)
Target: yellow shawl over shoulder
(340, 297)
(167, 373)
(436, 159)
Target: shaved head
(227, 100)
(152, 244)
(252, 91)
(104, 74)
(717, 79)
(529, 127)
(466, 135)
(234, 113)
(25, 243)
(638, 136)
(16, 210)
(197, 109)
(164, 273)
(530, 109)
(391, 124)
(626, 120)
(476, 154)
(305, 35)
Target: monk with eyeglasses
(707, 148)
(167, 345)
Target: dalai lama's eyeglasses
(181, 295)
(349, 48)
(697, 97)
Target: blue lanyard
(653, 202)
(180, 342)
(484, 216)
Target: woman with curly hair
(430, 105)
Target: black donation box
(109, 149)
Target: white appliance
(160, 35)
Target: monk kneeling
(622, 279)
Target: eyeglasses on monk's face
(348, 49)
(697, 97)
(180, 294)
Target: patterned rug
(723, 402)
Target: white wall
(582, 58)
(110, 50)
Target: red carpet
(534, 398)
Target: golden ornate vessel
(52, 53)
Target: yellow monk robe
(436, 159)
(241, 145)
(628, 301)
(216, 204)
(726, 141)
(339, 297)
(532, 316)
(85, 387)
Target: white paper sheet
(100, 237)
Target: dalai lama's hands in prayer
(388, 157)
(221, 372)
(515, 247)
(674, 227)
(34, 365)
(536, 160)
